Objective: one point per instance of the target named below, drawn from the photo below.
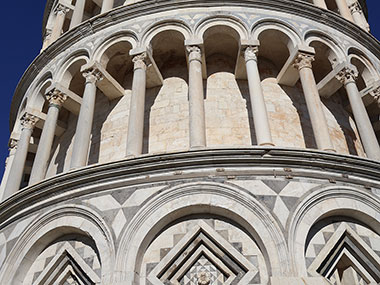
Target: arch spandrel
(201, 198)
(57, 223)
(328, 202)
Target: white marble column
(320, 3)
(78, 13)
(137, 107)
(107, 5)
(28, 123)
(40, 164)
(313, 102)
(358, 16)
(197, 127)
(367, 135)
(56, 32)
(344, 10)
(259, 110)
(86, 114)
(12, 146)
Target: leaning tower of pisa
(196, 142)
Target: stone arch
(227, 21)
(323, 203)
(193, 198)
(367, 71)
(167, 25)
(69, 219)
(113, 55)
(36, 97)
(336, 53)
(280, 26)
(124, 36)
(70, 69)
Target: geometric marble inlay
(202, 256)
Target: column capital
(251, 53)
(355, 7)
(12, 144)
(194, 52)
(28, 121)
(140, 61)
(92, 74)
(61, 9)
(347, 75)
(303, 60)
(56, 98)
(376, 95)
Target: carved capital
(376, 95)
(250, 53)
(12, 144)
(92, 75)
(303, 60)
(28, 121)
(56, 98)
(347, 75)
(195, 53)
(355, 8)
(61, 9)
(140, 61)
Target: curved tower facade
(196, 143)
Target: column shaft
(17, 168)
(344, 10)
(363, 123)
(313, 102)
(107, 5)
(259, 110)
(85, 119)
(58, 23)
(40, 164)
(196, 99)
(137, 107)
(320, 3)
(78, 13)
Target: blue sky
(21, 24)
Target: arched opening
(72, 81)
(166, 122)
(343, 249)
(342, 129)
(287, 112)
(367, 83)
(228, 111)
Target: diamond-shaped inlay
(203, 256)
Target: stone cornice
(255, 161)
(149, 7)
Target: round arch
(36, 98)
(195, 198)
(234, 23)
(125, 36)
(163, 26)
(365, 67)
(69, 65)
(323, 203)
(318, 36)
(69, 219)
(280, 26)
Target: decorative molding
(304, 60)
(251, 53)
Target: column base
(197, 147)
(329, 150)
(267, 144)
